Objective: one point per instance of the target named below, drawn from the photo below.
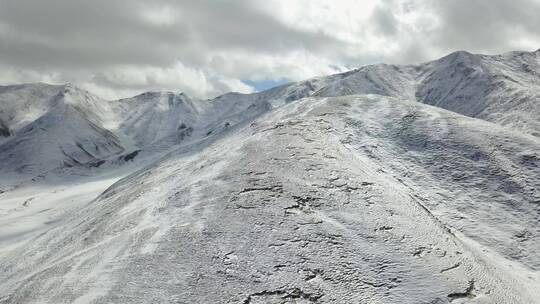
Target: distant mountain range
(75, 127)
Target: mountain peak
(458, 56)
(149, 95)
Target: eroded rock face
(325, 200)
(4, 130)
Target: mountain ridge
(504, 89)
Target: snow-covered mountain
(385, 184)
(62, 127)
(504, 89)
(54, 127)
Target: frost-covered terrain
(386, 184)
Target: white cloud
(345, 20)
(160, 15)
(178, 78)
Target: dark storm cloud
(384, 20)
(77, 33)
(205, 47)
(487, 26)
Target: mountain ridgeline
(74, 127)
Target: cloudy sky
(208, 47)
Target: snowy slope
(324, 200)
(503, 88)
(22, 104)
(152, 116)
(59, 129)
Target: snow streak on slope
(29, 211)
(324, 200)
